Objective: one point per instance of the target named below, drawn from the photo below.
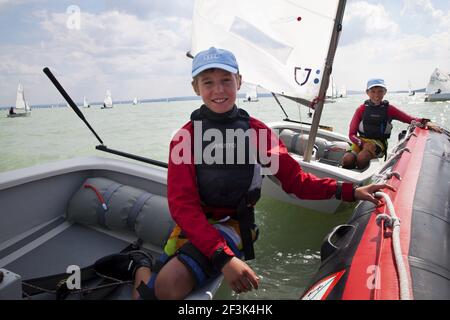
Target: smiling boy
(371, 127)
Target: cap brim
(214, 65)
(376, 85)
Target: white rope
(401, 268)
(388, 175)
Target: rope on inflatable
(393, 222)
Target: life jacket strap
(146, 292)
(190, 250)
(246, 219)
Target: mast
(326, 76)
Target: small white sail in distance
(252, 94)
(439, 82)
(108, 100)
(85, 103)
(21, 104)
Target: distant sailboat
(438, 89)
(331, 91)
(411, 92)
(135, 101)
(107, 103)
(342, 92)
(22, 108)
(252, 94)
(85, 103)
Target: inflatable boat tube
(359, 258)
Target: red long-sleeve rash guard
(184, 200)
(393, 113)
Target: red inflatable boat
(399, 250)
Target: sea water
(288, 248)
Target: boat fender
(335, 150)
(337, 239)
(116, 206)
(296, 142)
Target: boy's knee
(165, 290)
(348, 161)
(363, 159)
(174, 282)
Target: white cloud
(424, 11)
(112, 49)
(376, 46)
(363, 19)
(409, 57)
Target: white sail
(85, 103)
(331, 90)
(108, 103)
(280, 45)
(285, 46)
(342, 92)
(21, 104)
(252, 94)
(135, 101)
(439, 82)
(411, 92)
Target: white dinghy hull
(325, 163)
(36, 239)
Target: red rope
(315, 101)
(99, 196)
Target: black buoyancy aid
(233, 179)
(375, 123)
(225, 181)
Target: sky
(136, 48)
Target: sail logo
(301, 77)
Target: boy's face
(218, 89)
(376, 94)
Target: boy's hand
(366, 192)
(239, 276)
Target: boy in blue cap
(212, 201)
(371, 127)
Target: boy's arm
(293, 179)
(399, 115)
(184, 203)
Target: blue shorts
(200, 276)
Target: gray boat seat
(126, 209)
(324, 151)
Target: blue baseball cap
(376, 83)
(214, 58)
